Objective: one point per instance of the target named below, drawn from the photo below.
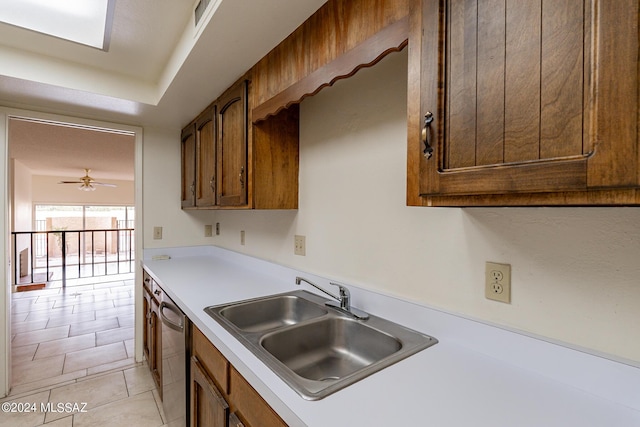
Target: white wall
(22, 197)
(575, 271)
(161, 195)
(21, 202)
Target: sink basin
(317, 350)
(330, 349)
(272, 312)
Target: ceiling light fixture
(87, 183)
(87, 22)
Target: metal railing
(58, 254)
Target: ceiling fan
(87, 183)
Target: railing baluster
(118, 251)
(106, 254)
(93, 253)
(79, 259)
(64, 258)
(47, 255)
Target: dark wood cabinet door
(523, 97)
(248, 405)
(206, 159)
(208, 407)
(155, 346)
(232, 146)
(146, 329)
(188, 162)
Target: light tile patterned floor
(74, 346)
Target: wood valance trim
(392, 38)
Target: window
(56, 217)
(86, 22)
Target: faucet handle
(345, 296)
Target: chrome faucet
(343, 297)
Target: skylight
(86, 22)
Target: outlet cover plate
(299, 245)
(157, 233)
(498, 282)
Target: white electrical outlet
(208, 230)
(157, 233)
(299, 245)
(498, 282)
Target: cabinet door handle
(428, 149)
(212, 184)
(193, 188)
(242, 177)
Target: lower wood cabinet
(152, 331)
(208, 407)
(220, 396)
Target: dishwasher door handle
(175, 326)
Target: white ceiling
(62, 151)
(159, 71)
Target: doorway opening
(98, 219)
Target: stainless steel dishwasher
(175, 358)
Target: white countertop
(477, 375)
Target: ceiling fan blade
(69, 182)
(103, 184)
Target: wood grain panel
(232, 146)
(430, 37)
(522, 80)
(414, 104)
(621, 197)
(570, 73)
(563, 175)
(275, 161)
(213, 362)
(490, 92)
(206, 158)
(249, 406)
(462, 60)
(391, 39)
(188, 162)
(208, 407)
(337, 27)
(615, 126)
(561, 117)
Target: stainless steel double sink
(316, 349)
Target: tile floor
(74, 346)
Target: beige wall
(161, 195)
(575, 270)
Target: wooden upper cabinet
(533, 102)
(206, 158)
(188, 162)
(232, 146)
